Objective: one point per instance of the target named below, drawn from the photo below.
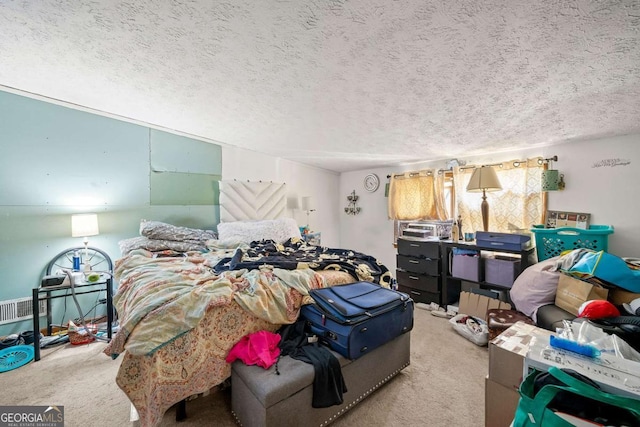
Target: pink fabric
(259, 348)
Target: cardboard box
(508, 350)
(477, 305)
(613, 374)
(500, 404)
(572, 293)
(619, 296)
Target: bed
(186, 296)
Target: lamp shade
(484, 179)
(307, 203)
(550, 179)
(83, 225)
(293, 203)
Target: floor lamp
(484, 179)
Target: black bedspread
(295, 253)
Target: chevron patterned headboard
(250, 200)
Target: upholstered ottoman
(261, 398)
(499, 320)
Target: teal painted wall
(56, 161)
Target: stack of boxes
(506, 366)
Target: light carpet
(443, 386)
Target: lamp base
(484, 208)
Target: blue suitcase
(356, 318)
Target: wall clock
(371, 182)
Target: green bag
(534, 409)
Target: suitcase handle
(413, 261)
(323, 334)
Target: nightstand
(99, 262)
(312, 238)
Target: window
(441, 195)
(519, 205)
(417, 195)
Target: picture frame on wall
(557, 219)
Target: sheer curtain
(519, 205)
(417, 195)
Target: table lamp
(307, 206)
(484, 179)
(84, 225)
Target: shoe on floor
(442, 313)
(429, 307)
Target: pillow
(278, 230)
(155, 245)
(535, 286)
(163, 231)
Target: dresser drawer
(420, 296)
(418, 265)
(418, 248)
(417, 281)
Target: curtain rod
(516, 163)
(414, 173)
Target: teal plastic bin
(552, 242)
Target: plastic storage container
(507, 241)
(552, 242)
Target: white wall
(301, 180)
(607, 192)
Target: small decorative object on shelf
(351, 208)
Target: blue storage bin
(507, 241)
(551, 242)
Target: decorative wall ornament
(351, 208)
(552, 179)
(611, 163)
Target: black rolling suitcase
(356, 318)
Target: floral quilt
(180, 313)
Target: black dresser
(418, 270)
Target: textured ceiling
(343, 85)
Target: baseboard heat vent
(15, 310)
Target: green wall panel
(56, 161)
(52, 155)
(174, 188)
(175, 153)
